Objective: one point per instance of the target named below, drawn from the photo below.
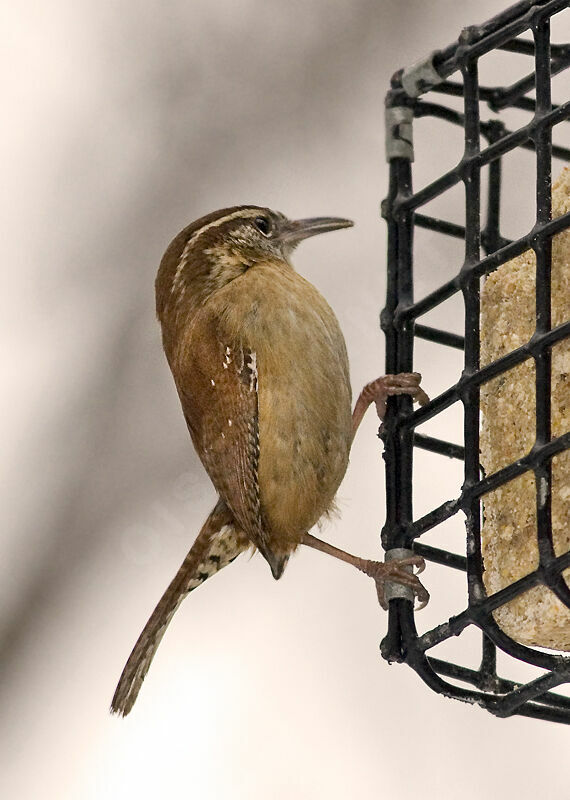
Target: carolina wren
(261, 369)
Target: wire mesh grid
(486, 143)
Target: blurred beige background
(124, 121)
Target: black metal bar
(435, 405)
(470, 290)
(399, 168)
(548, 714)
(526, 47)
(439, 446)
(433, 518)
(405, 354)
(439, 556)
(543, 360)
(430, 301)
(439, 225)
(543, 253)
(440, 337)
(491, 238)
(562, 153)
(488, 678)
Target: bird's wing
(217, 544)
(218, 386)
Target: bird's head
(221, 246)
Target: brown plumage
(239, 328)
(261, 369)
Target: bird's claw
(381, 389)
(399, 571)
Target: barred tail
(217, 544)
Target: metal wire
(500, 696)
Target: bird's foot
(381, 389)
(397, 571)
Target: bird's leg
(381, 389)
(379, 571)
(400, 570)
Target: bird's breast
(304, 398)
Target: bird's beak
(294, 231)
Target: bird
(261, 369)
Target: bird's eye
(263, 224)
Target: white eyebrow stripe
(214, 224)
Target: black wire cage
(445, 86)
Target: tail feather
(217, 544)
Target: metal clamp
(399, 133)
(391, 588)
(420, 77)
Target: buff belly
(304, 456)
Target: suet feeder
(513, 387)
